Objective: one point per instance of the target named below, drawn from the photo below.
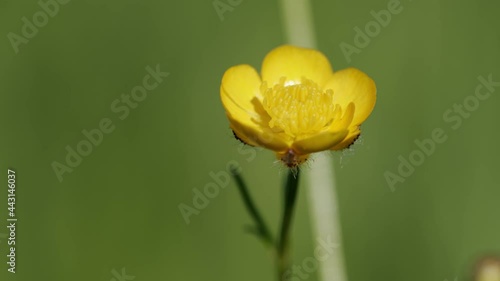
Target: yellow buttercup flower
(298, 105)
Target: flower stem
(260, 228)
(298, 24)
(290, 195)
(299, 30)
(323, 208)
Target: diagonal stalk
(260, 228)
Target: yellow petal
(295, 63)
(345, 121)
(319, 142)
(240, 95)
(259, 136)
(349, 139)
(330, 137)
(352, 85)
(240, 91)
(240, 85)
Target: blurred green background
(119, 207)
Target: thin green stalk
(290, 195)
(260, 229)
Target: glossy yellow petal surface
(259, 136)
(352, 85)
(240, 91)
(319, 142)
(241, 99)
(295, 63)
(345, 121)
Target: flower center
(298, 108)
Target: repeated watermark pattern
(223, 6)
(121, 276)
(218, 180)
(121, 107)
(48, 9)
(454, 117)
(302, 271)
(363, 37)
